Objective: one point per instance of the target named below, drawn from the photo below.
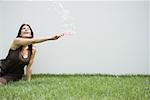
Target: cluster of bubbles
(67, 21)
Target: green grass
(79, 87)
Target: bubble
(67, 21)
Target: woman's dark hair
(32, 35)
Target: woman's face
(25, 32)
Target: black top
(14, 63)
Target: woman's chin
(27, 36)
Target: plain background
(112, 37)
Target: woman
(21, 53)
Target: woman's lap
(3, 81)
(5, 78)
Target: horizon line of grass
(93, 74)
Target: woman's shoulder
(14, 45)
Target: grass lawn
(78, 87)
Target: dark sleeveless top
(14, 63)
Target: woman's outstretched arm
(29, 66)
(27, 41)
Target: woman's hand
(55, 37)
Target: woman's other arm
(29, 66)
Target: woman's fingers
(62, 34)
(57, 36)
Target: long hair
(32, 35)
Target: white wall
(111, 37)
(149, 34)
(1, 30)
(0, 24)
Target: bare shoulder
(16, 41)
(14, 44)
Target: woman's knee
(3, 81)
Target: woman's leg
(3, 81)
